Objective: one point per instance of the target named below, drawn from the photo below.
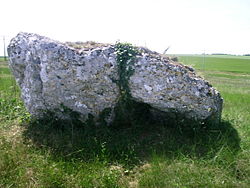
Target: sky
(187, 26)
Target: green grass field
(223, 63)
(49, 153)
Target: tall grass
(51, 153)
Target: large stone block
(85, 79)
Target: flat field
(50, 153)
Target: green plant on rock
(125, 57)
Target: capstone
(84, 78)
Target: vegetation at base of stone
(49, 153)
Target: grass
(234, 64)
(50, 153)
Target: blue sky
(187, 26)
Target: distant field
(223, 63)
(49, 153)
(2, 58)
(6, 79)
(230, 74)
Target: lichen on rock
(99, 80)
(172, 87)
(51, 74)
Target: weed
(52, 153)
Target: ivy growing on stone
(125, 57)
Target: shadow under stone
(131, 144)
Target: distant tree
(174, 59)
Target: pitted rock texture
(174, 88)
(54, 76)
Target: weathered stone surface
(54, 76)
(172, 87)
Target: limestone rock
(54, 76)
(171, 87)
